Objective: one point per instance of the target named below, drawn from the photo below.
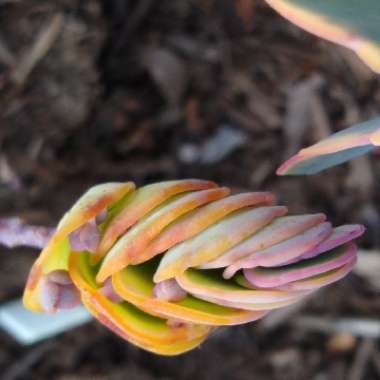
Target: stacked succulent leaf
(164, 265)
(351, 23)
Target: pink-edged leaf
(209, 284)
(351, 23)
(283, 252)
(323, 279)
(215, 240)
(339, 236)
(273, 277)
(263, 307)
(198, 220)
(130, 248)
(279, 230)
(334, 150)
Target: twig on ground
(376, 361)
(142, 9)
(21, 366)
(368, 267)
(362, 327)
(299, 103)
(8, 176)
(246, 11)
(361, 178)
(363, 354)
(6, 56)
(44, 41)
(319, 117)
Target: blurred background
(144, 90)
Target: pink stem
(14, 232)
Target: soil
(94, 91)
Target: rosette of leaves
(164, 265)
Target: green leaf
(134, 283)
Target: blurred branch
(6, 56)
(362, 327)
(364, 353)
(42, 45)
(303, 108)
(23, 365)
(368, 267)
(14, 232)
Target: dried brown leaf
(299, 102)
(44, 41)
(168, 71)
(8, 176)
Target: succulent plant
(164, 265)
(355, 25)
(335, 149)
(351, 23)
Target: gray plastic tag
(28, 327)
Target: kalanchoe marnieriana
(164, 265)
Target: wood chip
(246, 11)
(368, 267)
(44, 41)
(22, 366)
(8, 175)
(300, 98)
(361, 327)
(282, 316)
(319, 118)
(360, 178)
(6, 56)
(364, 353)
(341, 343)
(168, 71)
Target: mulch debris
(94, 91)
